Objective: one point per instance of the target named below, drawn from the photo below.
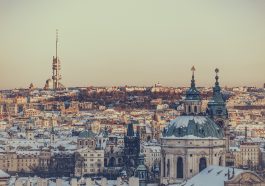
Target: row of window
(91, 155)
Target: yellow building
(247, 155)
(20, 161)
(89, 161)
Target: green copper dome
(193, 127)
(86, 134)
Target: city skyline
(123, 43)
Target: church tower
(192, 103)
(190, 142)
(217, 110)
(217, 106)
(131, 147)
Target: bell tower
(192, 103)
(216, 106)
(217, 110)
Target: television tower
(56, 67)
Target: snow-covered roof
(4, 174)
(212, 175)
(199, 126)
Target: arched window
(220, 161)
(195, 109)
(168, 167)
(202, 164)
(189, 109)
(179, 167)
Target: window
(195, 109)
(202, 164)
(168, 167)
(179, 167)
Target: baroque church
(195, 139)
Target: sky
(139, 42)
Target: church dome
(86, 134)
(193, 127)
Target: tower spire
(56, 42)
(56, 67)
(193, 80)
(217, 88)
(216, 77)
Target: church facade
(192, 141)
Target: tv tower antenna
(56, 67)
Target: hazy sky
(139, 42)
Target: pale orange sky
(138, 42)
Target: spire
(216, 77)
(56, 42)
(217, 106)
(217, 96)
(216, 89)
(192, 79)
(192, 93)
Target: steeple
(217, 106)
(131, 147)
(217, 95)
(192, 93)
(192, 79)
(192, 102)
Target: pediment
(246, 178)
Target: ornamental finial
(216, 77)
(193, 69)
(216, 71)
